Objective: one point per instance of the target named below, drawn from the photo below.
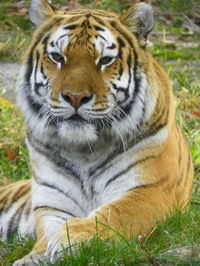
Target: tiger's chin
(77, 133)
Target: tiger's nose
(76, 100)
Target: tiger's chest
(80, 184)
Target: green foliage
(176, 5)
(13, 153)
(10, 18)
(13, 47)
(14, 248)
(172, 53)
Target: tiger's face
(83, 78)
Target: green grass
(180, 230)
(167, 53)
(175, 5)
(13, 153)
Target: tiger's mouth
(77, 118)
(98, 121)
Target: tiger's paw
(56, 246)
(65, 240)
(36, 258)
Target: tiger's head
(86, 73)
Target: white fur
(102, 44)
(62, 43)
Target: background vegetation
(175, 42)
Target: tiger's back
(15, 209)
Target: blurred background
(175, 42)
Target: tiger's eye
(105, 60)
(57, 57)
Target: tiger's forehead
(87, 31)
(75, 14)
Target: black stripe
(58, 189)
(142, 117)
(103, 15)
(180, 178)
(109, 158)
(98, 28)
(113, 46)
(52, 208)
(185, 172)
(86, 24)
(101, 37)
(121, 45)
(121, 31)
(70, 20)
(100, 21)
(160, 117)
(53, 155)
(42, 71)
(88, 15)
(37, 85)
(152, 131)
(28, 209)
(129, 168)
(62, 218)
(121, 70)
(29, 67)
(5, 201)
(45, 39)
(53, 121)
(14, 220)
(35, 106)
(179, 146)
(121, 42)
(118, 88)
(189, 161)
(71, 27)
(161, 181)
(18, 192)
(60, 38)
(52, 44)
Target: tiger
(105, 148)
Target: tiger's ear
(140, 20)
(39, 11)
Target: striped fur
(102, 134)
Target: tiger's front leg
(47, 222)
(134, 214)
